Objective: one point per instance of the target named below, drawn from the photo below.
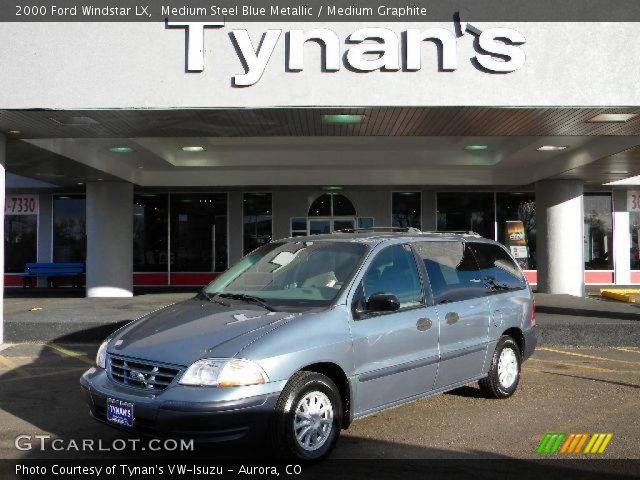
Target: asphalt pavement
(568, 390)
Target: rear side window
(498, 270)
(453, 271)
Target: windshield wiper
(212, 298)
(248, 298)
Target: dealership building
(159, 154)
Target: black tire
(491, 385)
(285, 443)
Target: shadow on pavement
(44, 398)
(610, 382)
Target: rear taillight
(533, 314)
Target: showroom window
(406, 209)
(150, 232)
(198, 232)
(20, 241)
(257, 220)
(634, 227)
(299, 226)
(464, 211)
(598, 231)
(332, 205)
(516, 218)
(69, 228)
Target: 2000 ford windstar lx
(307, 334)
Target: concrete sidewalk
(590, 321)
(562, 319)
(76, 319)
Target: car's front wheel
(504, 374)
(308, 417)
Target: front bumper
(207, 415)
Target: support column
(45, 225)
(429, 217)
(560, 226)
(236, 232)
(621, 239)
(109, 239)
(3, 156)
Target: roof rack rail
(456, 232)
(379, 229)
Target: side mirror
(383, 302)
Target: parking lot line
(579, 365)
(71, 353)
(623, 349)
(25, 376)
(584, 355)
(11, 366)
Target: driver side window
(394, 271)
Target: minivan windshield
(295, 274)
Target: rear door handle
(451, 318)
(424, 324)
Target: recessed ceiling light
(15, 132)
(80, 183)
(551, 148)
(99, 179)
(74, 121)
(332, 187)
(613, 117)
(121, 149)
(193, 148)
(618, 172)
(342, 118)
(476, 148)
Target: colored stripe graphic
(554, 443)
(550, 443)
(574, 443)
(598, 443)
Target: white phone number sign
(21, 204)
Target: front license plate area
(120, 412)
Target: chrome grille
(141, 374)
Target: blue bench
(53, 271)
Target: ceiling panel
(383, 121)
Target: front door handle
(451, 318)
(424, 324)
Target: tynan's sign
(367, 49)
(21, 204)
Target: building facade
(185, 237)
(159, 153)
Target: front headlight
(101, 356)
(224, 372)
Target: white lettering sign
(365, 50)
(21, 204)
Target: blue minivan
(306, 334)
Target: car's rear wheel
(504, 373)
(308, 417)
